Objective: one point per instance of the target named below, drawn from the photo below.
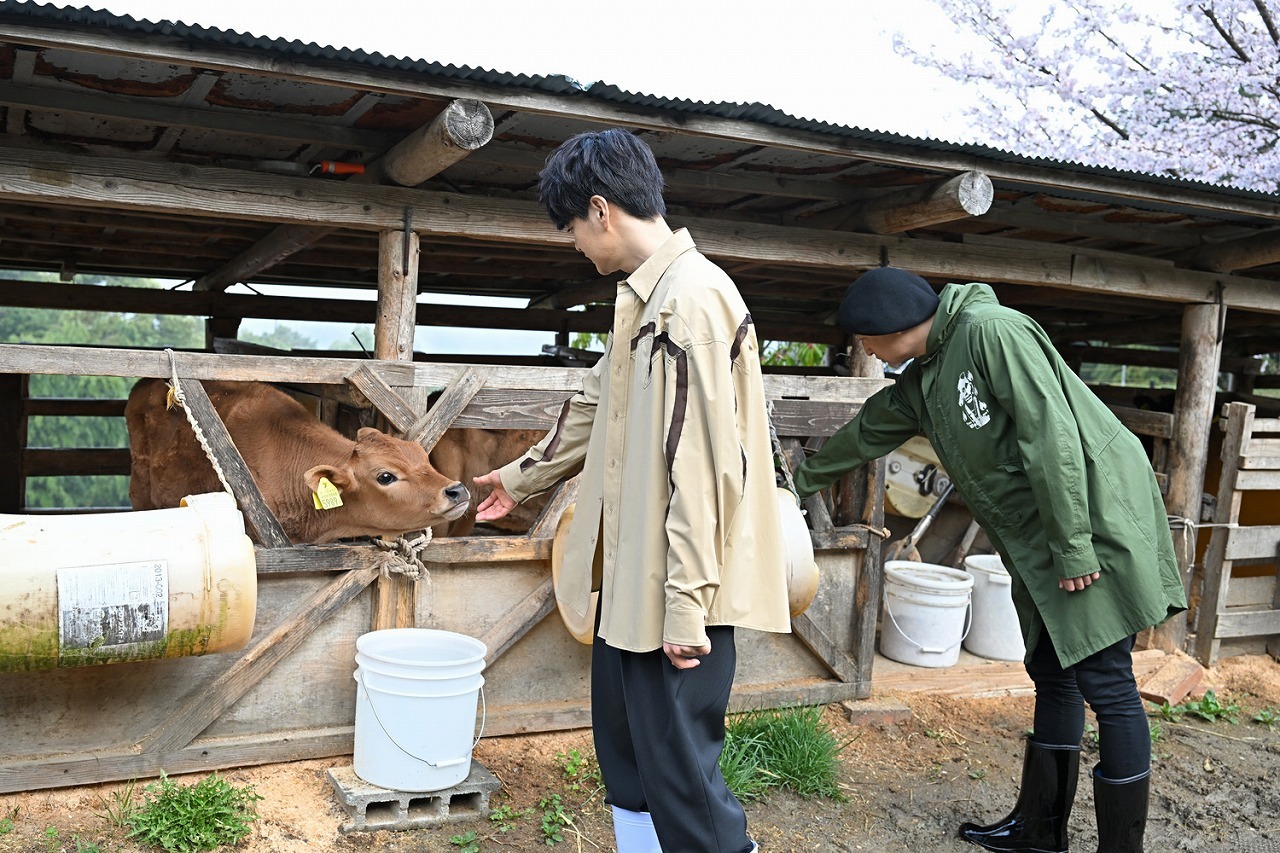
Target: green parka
(1061, 487)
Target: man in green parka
(1067, 497)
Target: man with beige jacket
(677, 518)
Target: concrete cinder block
(373, 808)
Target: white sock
(634, 832)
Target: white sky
(831, 60)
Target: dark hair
(610, 163)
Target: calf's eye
(386, 478)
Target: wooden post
(1200, 355)
(463, 126)
(395, 596)
(13, 441)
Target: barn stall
(165, 151)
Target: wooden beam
(1256, 250)
(296, 130)
(227, 193)
(282, 242)
(518, 621)
(965, 195)
(463, 126)
(249, 499)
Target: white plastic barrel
(926, 613)
(416, 698)
(996, 633)
(107, 587)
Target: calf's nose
(457, 493)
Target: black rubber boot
(1121, 807)
(1038, 822)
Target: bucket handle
(448, 762)
(968, 623)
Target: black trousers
(1105, 680)
(658, 733)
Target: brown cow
(469, 453)
(388, 486)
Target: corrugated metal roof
(563, 85)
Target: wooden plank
(517, 621)
(1256, 623)
(380, 395)
(202, 756)
(316, 558)
(210, 702)
(108, 361)
(1217, 568)
(832, 656)
(1142, 422)
(442, 415)
(1250, 542)
(1262, 447)
(248, 497)
(869, 585)
(88, 461)
(565, 495)
(1259, 481)
(486, 549)
(1260, 463)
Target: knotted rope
(180, 397)
(401, 555)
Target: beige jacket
(677, 501)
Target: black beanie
(886, 300)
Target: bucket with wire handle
(928, 613)
(417, 691)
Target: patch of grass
(6, 822)
(189, 818)
(792, 746)
(118, 810)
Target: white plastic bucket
(927, 611)
(416, 695)
(996, 633)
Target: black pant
(659, 732)
(1105, 680)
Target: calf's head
(389, 487)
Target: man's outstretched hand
(497, 503)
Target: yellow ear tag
(326, 495)
(170, 400)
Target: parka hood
(952, 299)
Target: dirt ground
(909, 785)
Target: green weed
(1267, 717)
(87, 846)
(978, 774)
(1157, 732)
(554, 819)
(467, 842)
(51, 840)
(503, 818)
(188, 818)
(578, 770)
(790, 746)
(1208, 708)
(6, 823)
(742, 765)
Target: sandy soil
(1216, 787)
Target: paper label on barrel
(107, 607)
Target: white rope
(401, 556)
(781, 455)
(178, 395)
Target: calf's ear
(340, 477)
